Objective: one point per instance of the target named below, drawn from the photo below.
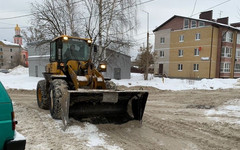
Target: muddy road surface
(173, 120)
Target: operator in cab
(71, 53)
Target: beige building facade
(162, 51)
(198, 48)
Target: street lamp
(147, 60)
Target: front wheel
(43, 99)
(59, 89)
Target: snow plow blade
(116, 106)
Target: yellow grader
(73, 86)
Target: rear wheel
(58, 90)
(43, 99)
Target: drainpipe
(233, 54)
(210, 59)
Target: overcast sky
(159, 11)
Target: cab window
(53, 51)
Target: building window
(181, 38)
(1, 56)
(10, 50)
(180, 67)
(161, 53)
(195, 67)
(196, 52)
(1, 49)
(11, 57)
(2, 64)
(226, 52)
(180, 53)
(237, 53)
(162, 40)
(225, 67)
(238, 38)
(237, 68)
(201, 24)
(227, 37)
(197, 36)
(193, 23)
(186, 23)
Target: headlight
(89, 41)
(65, 38)
(103, 66)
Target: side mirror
(95, 48)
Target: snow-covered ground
(228, 112)
(18, 78)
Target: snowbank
(18, 78)
(178, 84)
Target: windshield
(75, 49)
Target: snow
(178, 84)
(9, 43)
(228, 112)
(18, 78)
(18, 136)
(92, 135)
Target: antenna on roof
(220, 14)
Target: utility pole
(147, 60)
(100, 29)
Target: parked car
(10, 139)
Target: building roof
(9, 43)
(204, 20)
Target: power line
(194, 7)
(26, 15)
(212, 7)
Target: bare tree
(109, 23)
(142, 58)
(33, 34)
(52, 18)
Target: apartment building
(9, 53)
(197, 48)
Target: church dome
(17, 28)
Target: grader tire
(43, 99)
(58, 88)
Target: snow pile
(228, 112)
(18, 78)
(19, 70)
(177, 84)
